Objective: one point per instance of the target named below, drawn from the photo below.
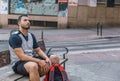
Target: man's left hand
(48, 61)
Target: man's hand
(44, 66)
(48, 61)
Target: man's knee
(44, 70)
(54, 59)
(31, 66)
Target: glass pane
(99, 1)
(117, 1)
(37, 7)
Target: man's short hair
(20, 17)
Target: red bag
(56, 73)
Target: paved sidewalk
(90, 66)
(66, 34)
(98, 66)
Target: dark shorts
(19, 67)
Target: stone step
(7, 74)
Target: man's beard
(26, 28)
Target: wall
(78, 16)
(86, 16)
(3, 20)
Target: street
(91, 58)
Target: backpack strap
(63, 72)
(51, 73)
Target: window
(101, 1)
(35, 7)
(12, 21)
(117, 1)
(35, 23)
(104, 1)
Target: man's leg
(32, 69)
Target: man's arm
(19, 52)
(42, 63)
(41, 53)
(37, 48)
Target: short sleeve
(15, 41)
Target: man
(22, 44)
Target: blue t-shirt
(16, 42)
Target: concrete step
(6, 74)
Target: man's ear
(18, 23)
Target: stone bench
(6, 71)
(9, 75)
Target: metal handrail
(64, 54)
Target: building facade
(61, 13)
(88, 14)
